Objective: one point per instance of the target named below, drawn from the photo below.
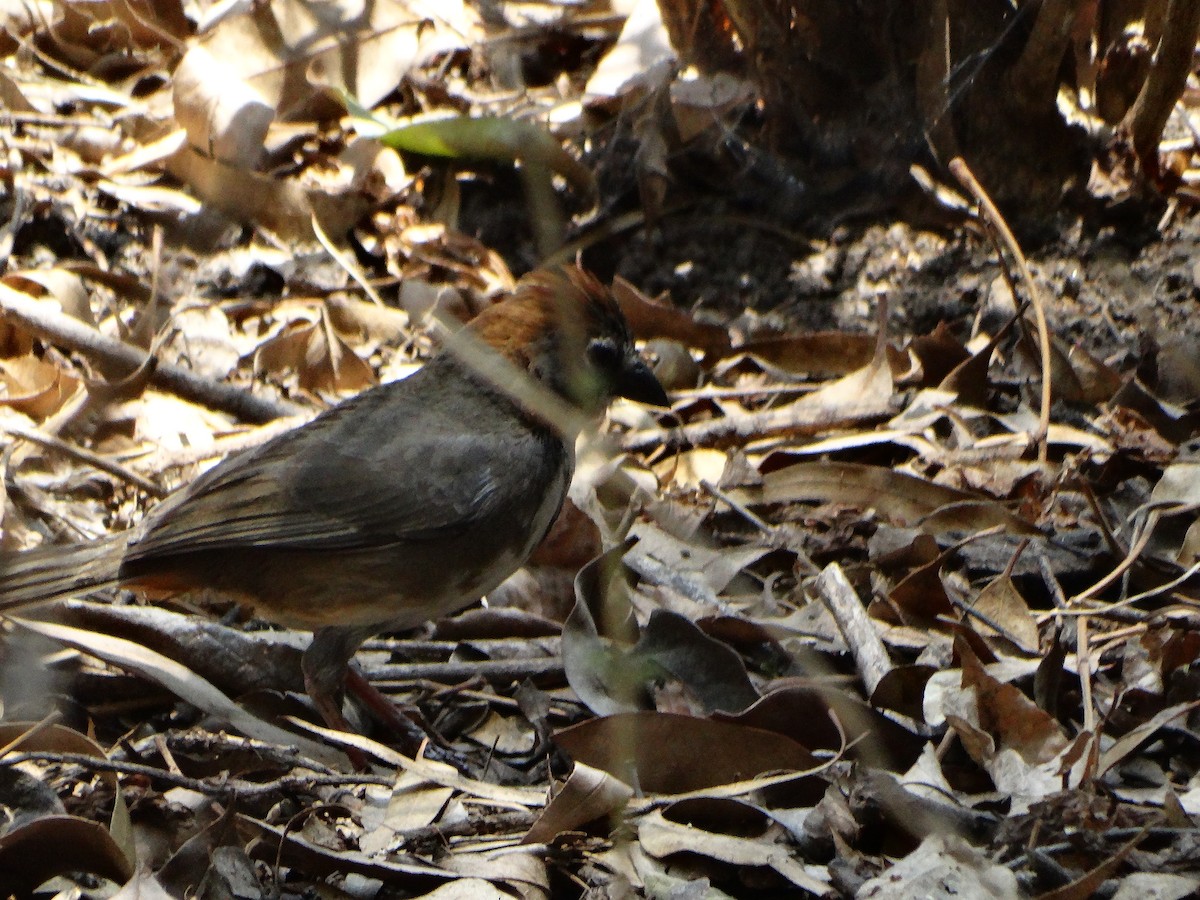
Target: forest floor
(898, 626)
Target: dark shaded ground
(1126, 292)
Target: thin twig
(740, 508)
(80, 454)
(1106, 531)
(1083, 664)
(65, 331)
(987, 620)
(1139, 544)
(963, 173)
(492, 670)
(1046, 568)
(1136, 598)
(52, 121)
(213, 787)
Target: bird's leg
(327, 670)
(325, 663)
(410, 733)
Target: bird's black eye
(604, 355)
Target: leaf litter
(886, 624)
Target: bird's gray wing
(390, 467)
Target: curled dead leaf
(614, 666)
(901, 498)
(321, 360)
(35, 387)
(588, 794)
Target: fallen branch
(857, 629)
(70, 333)
(496, 671)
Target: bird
(402, 504)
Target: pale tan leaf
(182, 682)
(35, 387)
(641, 59)
(661, 837)
(900, 498)
(1002, 604)
(588, 794)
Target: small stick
(65, 331)
(1083, 663)
(218, 786)
(959, 167)
(870, 657)
(1135, 551)
(501, 671)
(781, 420)
(80, 454)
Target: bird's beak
(637, 382)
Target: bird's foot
(412, 737)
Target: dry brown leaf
(920, 599)
(588, 794)
(613, 665)
(902, 690)
(102, 37)
(56, 845)
(414, 803)
(204, 336)
(653, 319)
(377, 324)
(181, 681)
(11, 96)
(863, 394)
(572, 542)
(1013, 719)
(1130, 741)
(640, 60)
(508, 735)
(1064, 380)
(666, 559)
(323, 362)
(283, 207)
(1097, 381)
(943, 867)
(664, 753)
(540, 593)
(25, 737)
(827, 718)
(939, 354)
(517, 869)
(60, 284)
(900, 498)
(1001, 604)
(661, 837)
(35, 387)
(687, 470)
(823, 353)
(272, 50)
(224, 115)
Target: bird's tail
(29, 577)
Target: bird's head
(565, 329)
